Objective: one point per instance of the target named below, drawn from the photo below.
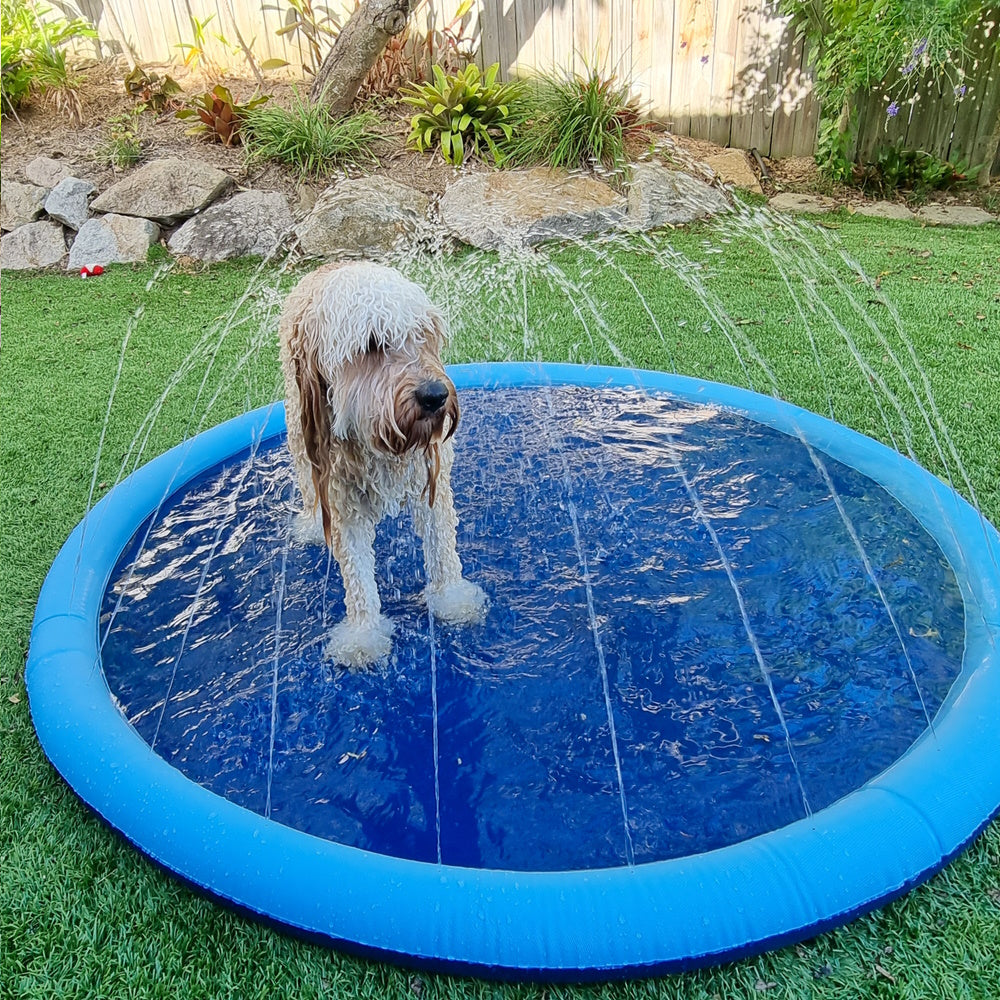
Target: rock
(884, 210)
(20, 204)
(31, 246)
(46, 172)
(250, 224)
(368, 215)
(112, 239)
(166, 191)
(789, 201)
(67, 201)
(953, 215)
(658, 196)
(523, 207)
(732, 166)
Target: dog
(370, 414)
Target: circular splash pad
(738, 683)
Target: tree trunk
(356, 50)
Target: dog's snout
(432, 396)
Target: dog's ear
(317, 433)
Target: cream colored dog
(370, 415)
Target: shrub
(308, 138)
(155, 92)
(574, 121)
(913, 169)
(31, 56)
(857, 46)
(219, 117)
(461, 111)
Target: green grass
(84, 915)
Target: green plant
(155, 92)
(122, 147)
(196, 52)
(32, 60)
(219, 117)
(575, 121)
(460, 111)
(914, 169)
(308, 138)
(857, 46)
(314, 22)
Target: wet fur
(357, 341)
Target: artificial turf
(84, 915)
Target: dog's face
(366, 346)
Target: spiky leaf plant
(219, 117)
(575, 121)
(461, 112)
(308, 138)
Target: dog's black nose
(431, 396)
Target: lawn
(98, 376)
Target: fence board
(751, 90)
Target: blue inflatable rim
(866, 849)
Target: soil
(42, 129)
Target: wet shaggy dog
(370, 414)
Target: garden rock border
(366, 215)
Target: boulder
(658, 196)
(67, 201)
(20, 204)
(166, 191)
(363, 216)
(789, 201)
(31, 246)
(112, 239)
(732, 166)
(46, 172)
(953, 215)
(513, 208)
(250, 224)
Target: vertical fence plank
(507, 26)
(977, 125)
(662, 47)
(723, 65)
(561, 20)
(639, 61)
(748, 77)
(489, 32)
(792, 87)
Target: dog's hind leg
(364, 636)
(449, 596)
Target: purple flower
(704, 59)
(907, 70)
(893, 109)
(920, 48)
(960, 91)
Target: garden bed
(42, 130)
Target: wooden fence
(724, 70)
(952, 116)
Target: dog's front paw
(360, 645)
(459, 603)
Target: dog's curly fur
(370, 414)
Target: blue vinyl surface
(535, 844)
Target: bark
(356, 50)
